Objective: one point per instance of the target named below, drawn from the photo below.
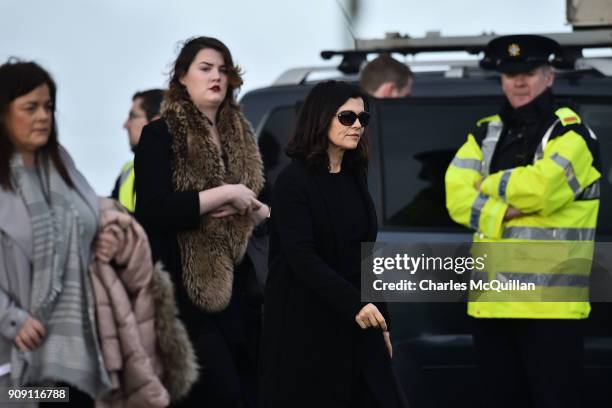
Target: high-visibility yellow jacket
(559, 196)
(127, 195)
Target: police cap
(518, 53)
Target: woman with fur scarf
(198, 175)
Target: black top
(164, 212)
(351, 214)
(524, 129)
(311, 345)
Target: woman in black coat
(321, 346)
(198, 171)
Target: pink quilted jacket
(122, 279)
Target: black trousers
(226, 346)
(361, 395)
(525, 363)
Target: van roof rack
(572, 45)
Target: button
(13, 323)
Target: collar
(14, 217)
(541, 106)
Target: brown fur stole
(209, 253)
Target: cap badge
(514, 50)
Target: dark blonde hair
(189, 50)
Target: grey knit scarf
(61, 296)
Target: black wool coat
(164, 212)
(311, 344)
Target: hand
(370, 316)
(259, 214)
(105, 246)
(241, 197)
(511, 213)
(30, 335)
(387, 337)
(224, 211)
(478, 184)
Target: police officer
(528, 174)
(145, 108)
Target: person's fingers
(256, 204)
(224, 213)
(361, 323)
(219, 210)
(32, 334)
(372, 319)
(20, 344)
(241, 205)
(387, 338)
(102, 255)
(38, 327)
(382, 323)
(35, 340)
(105, 240)
(27, 342)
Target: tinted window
(276, 131)
(597, 116)
(419, 139)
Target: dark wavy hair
(189, 50)
(310, 139)
(18, 78)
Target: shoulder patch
(568, 116)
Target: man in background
(145, 108)
(386, 77)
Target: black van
(412, 142)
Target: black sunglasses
(347, 118)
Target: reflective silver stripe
(590, 192)
(563, 234)
(591, 133)
(545, 279)
(476, 208)
(473, 164)
(570, 175)
(503, 184)
(540, 151)
(494, 130)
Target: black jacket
(162, 211)
(311, 343)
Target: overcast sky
(101, 52)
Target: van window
(597, 116)
(273, 137)
(418, 140)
